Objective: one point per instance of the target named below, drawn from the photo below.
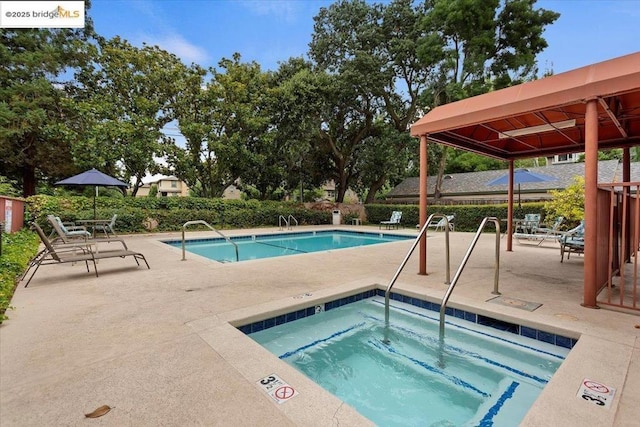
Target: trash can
(337, 217)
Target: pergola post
(626, 177)
(510, 209)
(424, 171)
(590, 204)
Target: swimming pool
(282, 244)
(480, 376)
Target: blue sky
(271, 31)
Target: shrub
(17, 250)
(568, 203)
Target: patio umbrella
(95, 178)
(521, 176)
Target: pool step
(511, 400)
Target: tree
(226, 125)
(295, 103)
(375, 46)
(129, 93)
(375, 170)
(205, 162)
(460, 161)
(479, 46)
(35, 141)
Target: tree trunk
(28, 180)
(136, 186)
(373, 189)
(441, 166)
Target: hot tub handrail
(199, 221)
(463, 263)
(406, 259)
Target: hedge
(468, 217)
(170, 213)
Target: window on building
(565, 158)
(174, 184)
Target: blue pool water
(479, 376)
(275, 245)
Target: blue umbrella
(521, 176)
(94, 178)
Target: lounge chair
(552, 231)
(67, 232)
(394, 221)
(441, 223)
(74, 252)
(572, 241)
(531, 230)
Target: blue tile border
(514, 328)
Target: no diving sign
(596, 393)
(275, 387)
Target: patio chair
(69, 234)
(572, 241)
(107, 228)
(529, 224)
(73, 252)
(441, 223)
(394, 221)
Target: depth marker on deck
(275, 387)
(597, 393)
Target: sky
(272, 31)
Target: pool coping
(255, 362)
(239, 238)
(555, 339)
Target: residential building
(472, 188)
(168, 186)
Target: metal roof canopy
(493, 124)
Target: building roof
(475, 183)
(157, 178)
(485, 123)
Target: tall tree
(295, 114)
(480, 45)
(378, 44)
(130, 92)
(226, 125)
(34, 137)
(344, 34)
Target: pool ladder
(452, 283)
(184, 226)
(286, 221)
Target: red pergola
(584, 110)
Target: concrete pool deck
(156, 345)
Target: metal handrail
(199, 221)
(281, 218)
(445, 298)
(423, 230)
(289, 218)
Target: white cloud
(185, 50)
